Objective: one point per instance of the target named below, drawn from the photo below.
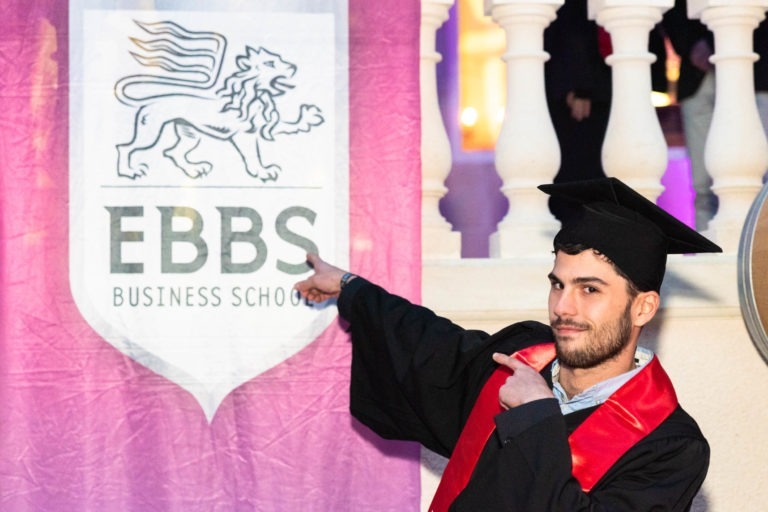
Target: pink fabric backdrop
(83, 427)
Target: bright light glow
(500, 115)
(469, 116)
(660, 99)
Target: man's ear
(644, 307)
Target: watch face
(753, 272)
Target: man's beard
(599, 345)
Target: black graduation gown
(415, 376)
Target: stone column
(437, 239)
(527, 151)
(736, 153)
(634, 149)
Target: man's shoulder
(679, 424)
(524, 334)
(678, 434)
(677, 442)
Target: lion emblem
(189, 99)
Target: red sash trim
(480, 426)
(634, 410)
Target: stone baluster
(437, 239)
(736, 152)
(527, 151)
(634, 149)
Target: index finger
(506, 360)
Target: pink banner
(85, 427)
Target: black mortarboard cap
(626, 227)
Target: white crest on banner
(208, 154)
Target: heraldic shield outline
(208, 154)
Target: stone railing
(634, 150)
(699, 333)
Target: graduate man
(568, 417)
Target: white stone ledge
(491, 293)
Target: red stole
(604, 45)
(628, 415)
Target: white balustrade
(634, 149)
(437, 239)
(527, 151)
(736, 153)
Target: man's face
(589, 309)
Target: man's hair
(573, 249)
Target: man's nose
(564, 304)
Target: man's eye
(590, 289)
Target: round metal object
(753, 272)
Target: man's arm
(409, 366)
(415, 375)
